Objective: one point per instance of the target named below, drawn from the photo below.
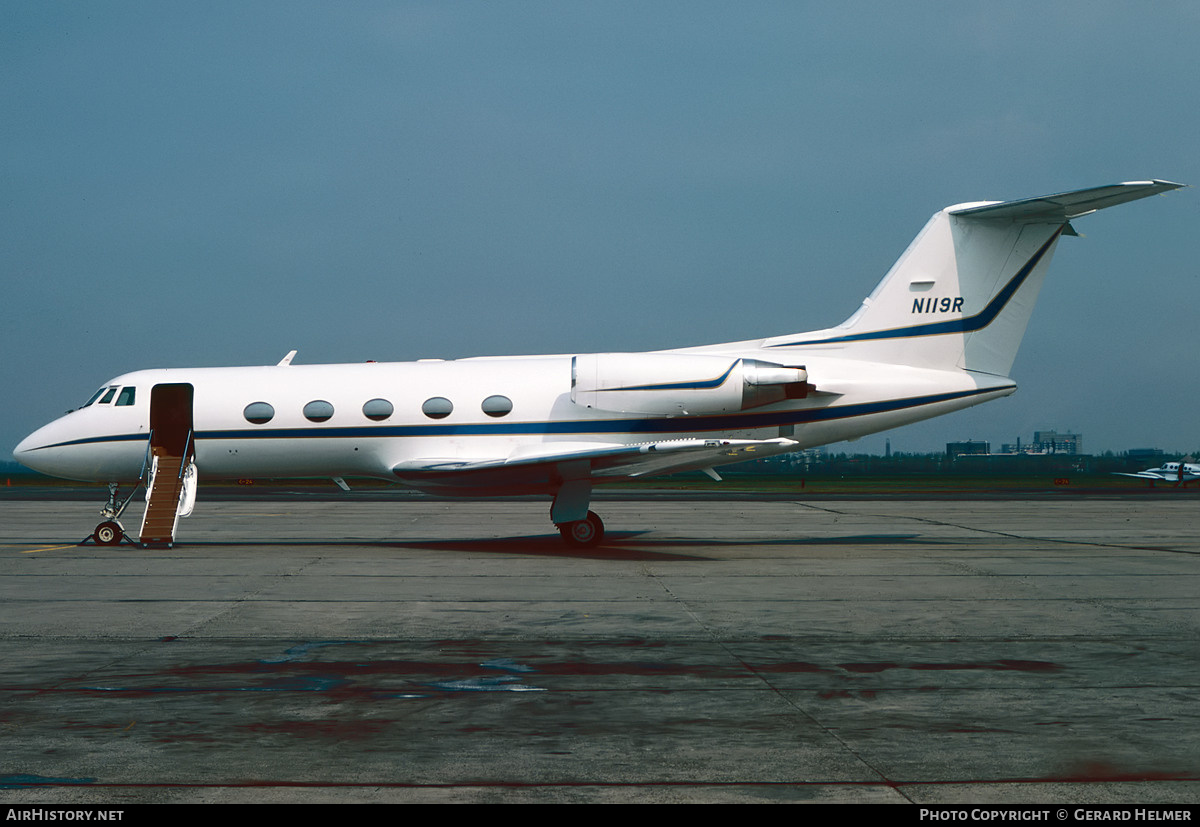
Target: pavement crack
(765, 680)
(995, 533)
(245, 597)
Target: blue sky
(218, 183)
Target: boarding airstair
(170, 492)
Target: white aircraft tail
(962, 293)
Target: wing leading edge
(543, 472)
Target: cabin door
(170, 418)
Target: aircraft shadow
(617, 545)
(549, 545)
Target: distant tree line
(900, 463)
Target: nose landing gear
(110, 532)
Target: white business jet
(938, 334)
(1179, 473)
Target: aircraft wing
(1067, 205)
(1144, 475)
(554, 463)
(1173, 476)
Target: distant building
(806, 459)
(1052, 442)
(796, 461)
(1046, 442)
(970, 447)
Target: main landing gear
(578, 526)
(583, 533)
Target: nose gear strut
(110, 532)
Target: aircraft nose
(26, 451)
(44, 452)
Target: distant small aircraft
(939, 333)
(1179, 473)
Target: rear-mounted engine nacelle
(680, 383)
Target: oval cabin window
(318, 411)
(438, 407)
(497, 405)
(258, 413)
(377, 410)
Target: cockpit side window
(93, 397)
(112, 391)
(126, 395)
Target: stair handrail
(141, 475)
(146, 456)
(183, 462)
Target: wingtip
(1166, 186)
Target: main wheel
(108, 533)
(583, 533)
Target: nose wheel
(583, 533)
(108, 533)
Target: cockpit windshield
(105, 395)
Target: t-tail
(962, 293)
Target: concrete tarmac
(1043, 650)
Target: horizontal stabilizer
(1066, 205)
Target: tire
(583, 533)
(109, 533)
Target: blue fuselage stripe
(664, 425)
(676, 386)
(967, 324)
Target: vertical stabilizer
(962, 294)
